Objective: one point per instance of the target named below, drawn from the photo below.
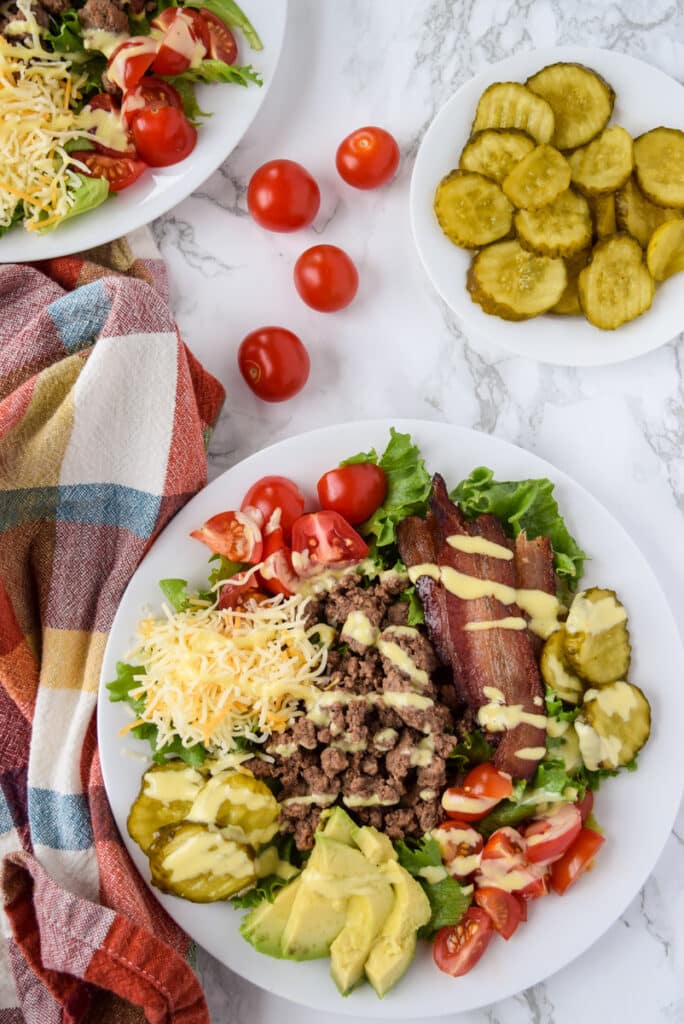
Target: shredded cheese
(213, 675)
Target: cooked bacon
(534, 571)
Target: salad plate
(558, 930)
(232, 109)
(645, 99)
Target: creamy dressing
(218, 791)
(421, 755)
(320, 799)
(463, 804)
(495, 717)
(180, 38)
(510, 622)
(167, 786)
(592, 617)
(385, 739)
(479, 546)
(105, 126)
(207, 853)
(495, 872)
(531, 753)
(100, 39)
(618, 699)
(350, 746)
(494, 693)
(359, 628)
(116, 69)
(401, 699)
(433, 873)
(398, 656)
(465, 864)
(284, 749)
(427, 794)
(368, 801)
(595, 749)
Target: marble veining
(397, 351)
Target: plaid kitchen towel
(104, 418)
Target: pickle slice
(561, 228)
(240, 804)
(495, 152)
(472, 210)
(166, 795)
(603, 214)
(509, 282)
(538, 178)
(616, 286)
(665, 253)
(581, 100)
(511, 105)
(637, 215)
(199, 864)
(613, 726)
(605, 164)
(596, 639)
(569, 303)
(659, 161)
(556, 672)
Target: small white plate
(646, 98)
(233, 108)
(558, 929)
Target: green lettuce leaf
(186, 91)
(526, 505)
(266, 889)
(228, 11)
(176, 593)
(17, 217)
(218, 71)
(224, 569)
(447, 899)
(68, 34)
(90, 192)
(472, 749)
(416, 613)
(551, 785)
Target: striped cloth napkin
(104, 418)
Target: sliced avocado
(374, 845)
(263, 927)
(366, 915)
(339, 826)
(395, 947)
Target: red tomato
(325, 538)
(152, 93)
(550, 836)
(482, 789)
(163, 136)
(326, 278)
(486, 780)
(184, 43)
(234, 535)
(539, 886)
(222, 44)
(271, 493)
(522, 905)
(130, 60)
(367, 158)
(458, 947)
(504, 866)
(238, 590)
(120, 170)
(276, 573)
(274, 363)
(586, 805)
(460, 847)
(575, 861)
(502, 907)
(282, 196)
(354, 491)
(103, 101)
(506, 844)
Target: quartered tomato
(120, 170)
(274, 363)
(325, 538)
(367, 158)
(576, 860)
(163, 135)
(460, 846)
(130, 60)
(458, 947)
(234, 535)
(276, 573)
(151, 93)
(503, 908)
(483, 788)
(506, 844)
(222, 44)
(103, 101)
(354, 491)
(184, 43)
(550, 836)
(238, 590)
(274, 494)
(504, 865)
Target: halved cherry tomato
(522, 905)
(120, 170)
(326, 278)
(504, 865)
(276, 573)
(271, 494)
(274, 363)
(234, 535)
(458, 947)
(506, 843)
(539, 886)
(184, 43)
(354, 491)
(575, 861)
(282, 196)
(151, 93)
(130, 60)
(324, 538)
(550, 836)
(238, 590)
(367, 158)
(103, 101)
(483, 788)
(586, 805)
(163, 136)
(222, 44)
(460, 847)
(502, 907)
(486, 780)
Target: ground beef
(103, 14)
(333, 761)
(55, 7)
(397, 614)
(304, 734)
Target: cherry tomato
(282, 196)
(238, 590)
(354, 491)
(326, 278)
(502, 907)
(324, 538)
(222, 44)
(522, 905)
(506, 844)
(103, 101)
(152, 93)
(367, 158)
(539, 886)
(185, 40)
(575, 861)
(460, 847)
(163, 136)
(458, 947)
(234, 535)
(276, 573)
(120, 170)
(483, 788)
(586, 805)
(273, 493)
(274, 363)
(130, 60)
(550, 836)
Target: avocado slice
(374, 845)
(366, 914)
(263, 927)
(395, 947)
(339, 826)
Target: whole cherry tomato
(367, 158)
(326, 278)
(163, 136)
(274, 363)
(271, 493)
(354, 491)
(282, 196)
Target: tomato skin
(222, 44)
(458, 803)
(103, 101)
(484, 786)
(183, 29)
(239, 589)
(283, 196)
(120, 170)
(163, 136)
(276, 574)
(457, 839)
(152, 92)
(550, 836)
(354, 491)
(274, 363)
(125, 70)
(575, 861)
(367, 158)
(502, 907)
(234, 535)
(275, 492)
(586, 805)
(325, 538)
(458, 948)
(506, 843)
(326, 278)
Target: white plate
(645, 99)
(233, 109)
(558, 929)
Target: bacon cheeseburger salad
(94, 93)
(383, 720)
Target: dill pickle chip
(665, 253)
(199, 864)
(472, 211)
(537, 179)
(596, 638)
(613, 725)
(561, 228)
(637, 215)
(514, 284)
(244, 807)
(166, 795)
(556, 672)
(581, 100)
(659, 162)
(616, 286)
(603, 215)
(494, 152)
(605, 164)
(511, 105)
(569, 304)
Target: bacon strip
(534, 571)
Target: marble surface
(398, 352)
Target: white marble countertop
(397, 352)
